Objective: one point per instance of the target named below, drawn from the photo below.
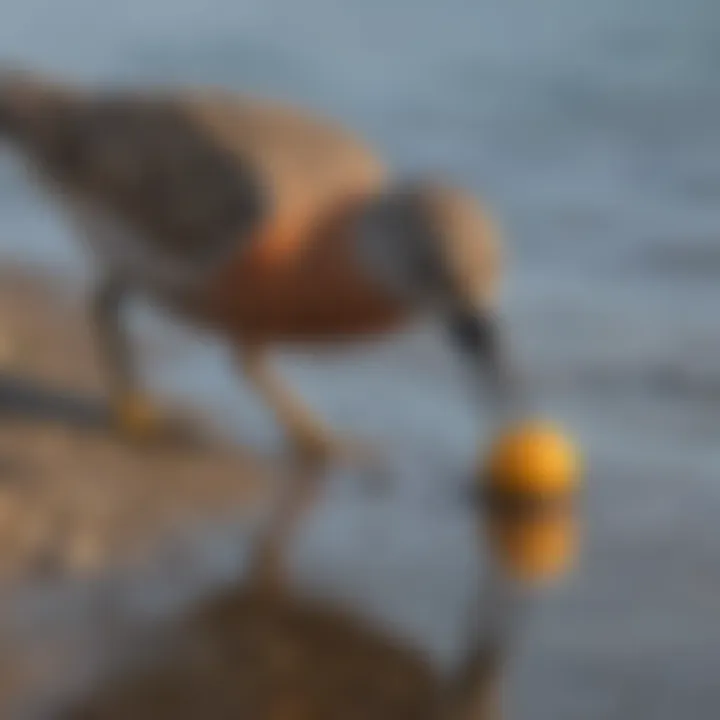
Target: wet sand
(74, 497)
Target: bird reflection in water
(260, 650)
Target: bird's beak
(479, 336)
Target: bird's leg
(313, 444)
(312, 441)
(133, 413)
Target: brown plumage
(262, 222)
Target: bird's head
(436, 248)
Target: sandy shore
(73, 496)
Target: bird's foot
(317, 447)
(140, 421)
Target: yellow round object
(535, 550)
(533, 459)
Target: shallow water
(593, 129)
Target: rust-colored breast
(299, 281)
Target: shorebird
(259, 221)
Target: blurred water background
(593, 131)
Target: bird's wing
(309, 162)
(153, 167)
(195, 171)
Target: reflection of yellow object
(532, 459)
(534, 549)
